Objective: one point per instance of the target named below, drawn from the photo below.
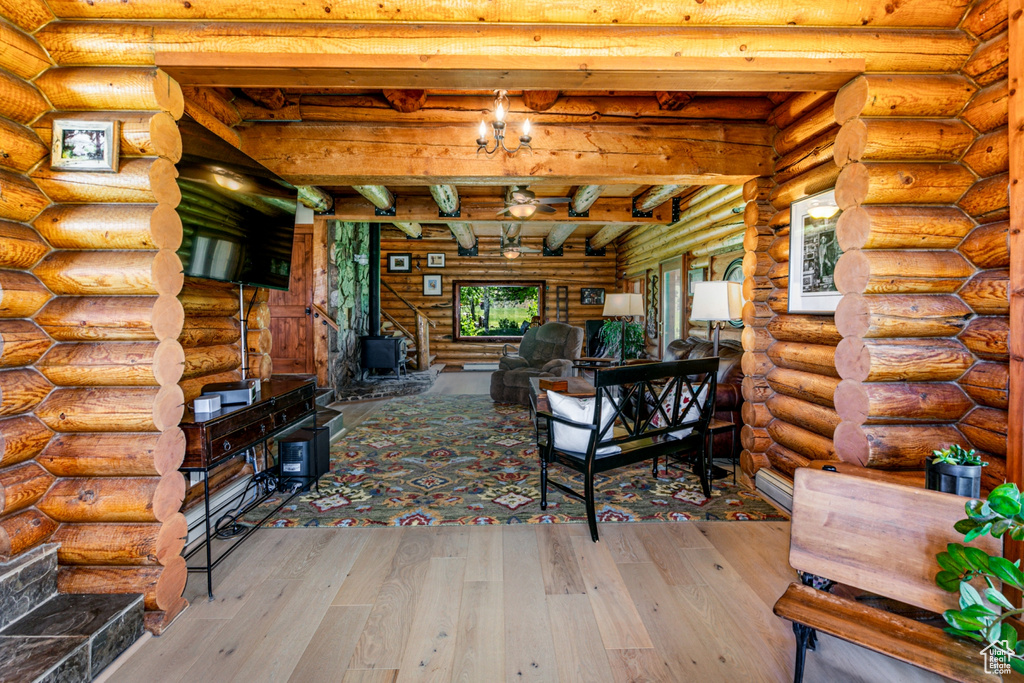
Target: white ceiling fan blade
(554, 200)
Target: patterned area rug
(442, 460)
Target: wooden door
(291, 322)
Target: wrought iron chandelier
(498, 129)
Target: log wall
(573, 270)
(117, 363)
(23, 436)
(708, 233)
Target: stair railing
(423, 324)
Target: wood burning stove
(383, 352)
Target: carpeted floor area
(441, 460)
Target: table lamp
(717, 301)
(623, 307)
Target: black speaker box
(305, 454)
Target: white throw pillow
(686, 407)
(575, 439)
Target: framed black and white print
(435, 260)
(431, 285)
(813, 254)
(85, 145)
(399, 263)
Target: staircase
(417, 344)
(46, 636)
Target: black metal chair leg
(704, 471)
(805, 635)
(654, 467)
(588, 495)
(543, 483)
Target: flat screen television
(238, 218)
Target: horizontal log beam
(114, 454)
(424, 210)
(655, 13)
(335, 154)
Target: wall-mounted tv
(238, 218)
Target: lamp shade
(717, 300)
(623, 305)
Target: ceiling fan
(523, 203)
(512, 247)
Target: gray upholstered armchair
(546, 351)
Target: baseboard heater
(775, 487)
(479, 367)
(220, 502)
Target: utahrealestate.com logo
(997, 657)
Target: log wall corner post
(911, 350)
(788, 362)
(23, 437)
(758, 263)
(117, 319)
(1015, 437)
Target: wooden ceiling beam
(381, 198)
(268, 98)
(667, 13)
(607, 235)
(556, 72)
(559, 234)
(315, 198)
(585, 196)
(463, 234)
(629, 110)
(424, 210)
(405, 101)
(446, 197)
(540, 100)
(658, 195)
(349, 154)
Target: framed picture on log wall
(592, 296)
(693, 275)
(399, 263)
(813, 253)
(435, 260)
(85, 145)
(431, 285)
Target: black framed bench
(642, 412)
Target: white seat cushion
(567, 438)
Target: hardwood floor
(651, 602)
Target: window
(495, 311)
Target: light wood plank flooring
(651, 602)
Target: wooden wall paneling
(573, 270)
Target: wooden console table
(282, 404)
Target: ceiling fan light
(824, 209)
(511, 253)
(522, 210)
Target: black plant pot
(963, 480)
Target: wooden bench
(881, 538)
(649, 404)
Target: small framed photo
(399, 263)
(694, 275)
(431, 285)
(592, 296)
(435, 260)
(85, 145)
(813, 253)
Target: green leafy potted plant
(611, 336)
(954, 470)
(983, 615)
